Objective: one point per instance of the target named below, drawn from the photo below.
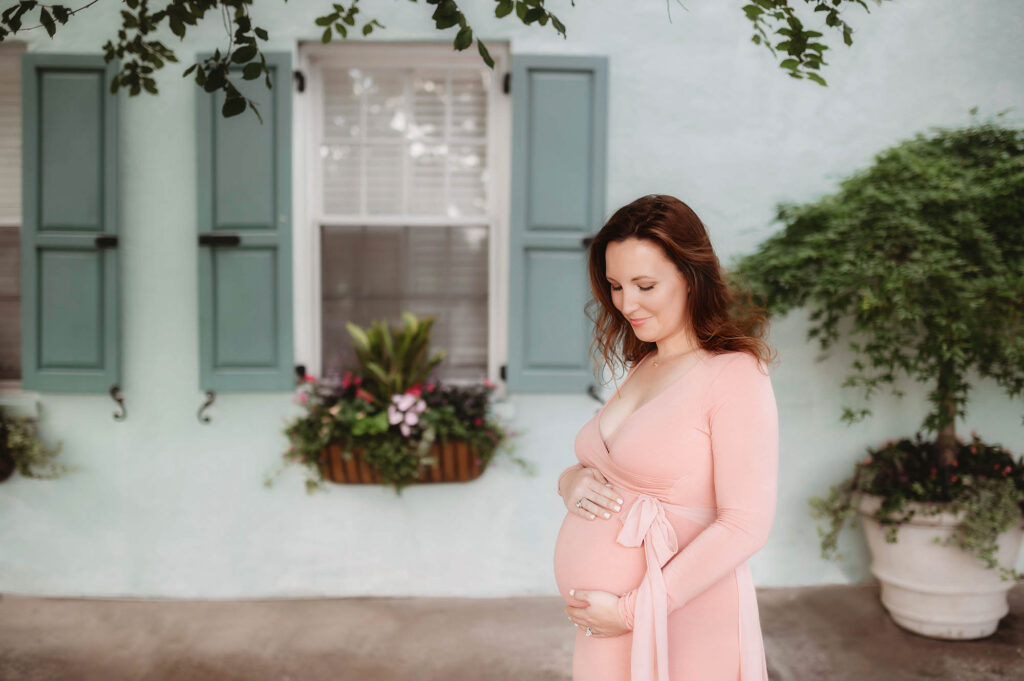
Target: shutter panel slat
(244, 176)
(559, 122)
(70, 287)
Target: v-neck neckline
(664, 390)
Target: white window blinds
(405, 209)
(404, 142)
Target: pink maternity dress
(696, 467)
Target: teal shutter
(245, 247)
(559, 121)
(70, 279)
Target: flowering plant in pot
(387, 422)
(21, 450)
(920, 258)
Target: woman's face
(647, 289)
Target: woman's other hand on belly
(587, 493)
(601, 614)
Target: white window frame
(307, 201)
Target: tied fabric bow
(646, 524)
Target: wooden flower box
(456, 462)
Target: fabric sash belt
(646, 524)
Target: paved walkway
(836, 633)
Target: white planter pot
(935, 590)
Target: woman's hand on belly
(596, 493)
(601, 613)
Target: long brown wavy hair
(723, 319)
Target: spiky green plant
(393, 360)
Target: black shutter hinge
(300, 80)
(504, 372)
(507, 82)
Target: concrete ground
(839, 633)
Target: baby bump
(588, 557)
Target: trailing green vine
(984, 485)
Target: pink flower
(302, 398)
(953, 479)
(477, 421)
(309, 378)
(394, 415)
(1006, 471)
(405, 429)
(403, 401)
(415, 390)
(364, 396)
(488, 383)
(867, 460)
(358, 380)
(431, 387)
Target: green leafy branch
(804, 53)
(141, 57)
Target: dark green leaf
(177, 26)
(326, 37)
(533, 15)
(367, 29)
(47, 22)
(215, 79)
(233, 106)
(504, 8)
(325, 21)
(464, 39)
(260, 33)
(189, 70)
(252, 71)
(484, 53)
(816, 78)
(340, 28)
(243, 54)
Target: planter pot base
(935, 590)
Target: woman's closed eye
(642, 288)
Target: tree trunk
(947, 432)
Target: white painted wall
(164, 506)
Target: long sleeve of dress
(744, 430)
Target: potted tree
(386, 422)
(921, 256)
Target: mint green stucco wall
(165, 506)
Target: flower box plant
(386, 422)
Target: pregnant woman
(676, 482)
